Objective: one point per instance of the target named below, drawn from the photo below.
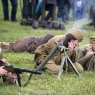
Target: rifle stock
(8, 69)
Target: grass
(69, 84)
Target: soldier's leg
(52, 68)
(14, 9)
(5, 9)
(25, 12)
(6, 46)
(77, 66)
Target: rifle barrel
(13, 69)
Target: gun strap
(27, 82)
(19, 79)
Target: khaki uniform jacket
(83, 55)
(43, 51)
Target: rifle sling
(19, 80)
(27, 82)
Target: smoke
(86, 4)
(79, 12)
(79, 23)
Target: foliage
(69, 84)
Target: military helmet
(77, 33)
(1, 54)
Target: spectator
(76, 6)
(79, 9)
(13, 11)
(49, 8)
(26, 11)
(63, 10)
(89, 9)
(72, 8)
(85, 10)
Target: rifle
(18, 71)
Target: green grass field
(69, 84)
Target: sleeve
(80, 53)
(57, 58)
(72, 55)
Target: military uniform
(87, 59)
(8, 78)
(53, 65)
(28, 44)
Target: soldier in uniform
(7, 77)
(87, 55)
(28, 44)
(70, 40)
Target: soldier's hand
(73, 45)
(89, 48)
(70, 46)
(3, 71)
(76, 44)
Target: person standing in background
(63, 10)
(14, 4)
(79, 9)
(76, 7)
(72, 2)
(26, 11)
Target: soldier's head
(77, 33)
(92, 40)
(74, 34)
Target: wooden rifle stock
(9, 69)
